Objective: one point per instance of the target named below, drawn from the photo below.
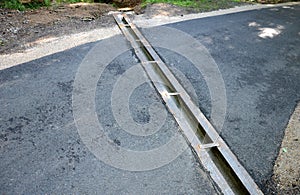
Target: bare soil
(287, 166)
(20, 30)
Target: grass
(15, 4)
(74, 1)
(199, 5)
(203, 5)
(12, 4)
(182, 3)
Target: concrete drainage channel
(216, 157)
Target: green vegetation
(12, 4)
(34, 4)
(209, 5)
(74, 1)
(200, 5)
(16, 4)
(183, 3)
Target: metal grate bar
(216, 157)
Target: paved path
(258, 55)
(42, 150)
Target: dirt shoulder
(21, 30)
(287, 166)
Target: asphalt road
(43, 151)
(258, 55)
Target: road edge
(286, 168)
(58, 44)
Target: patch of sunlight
(267, 32)
(230, 47)
(270, 32)
(41, 40)
(287, 7)
(253, 24)
(280, 27)
(75, 5)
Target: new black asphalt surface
(258, 55)
(41, 152)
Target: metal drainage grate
(223, 166)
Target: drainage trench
(212, 151)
